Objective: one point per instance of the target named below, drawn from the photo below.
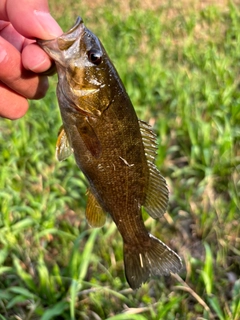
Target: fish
(113, 148)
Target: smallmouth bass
(114, 150)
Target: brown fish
(114, 150)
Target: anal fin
(95, 215)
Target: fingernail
(50, 26)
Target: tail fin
(153, 258)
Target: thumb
(31, 18)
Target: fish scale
(114, 150)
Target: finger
(12, 36)
(3, 12)
(37, 22)
(12, 105)
(12, 73)
(35, 59)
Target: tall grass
(180, 64)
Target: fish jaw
(57, 48)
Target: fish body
(114, 150)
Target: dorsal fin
(157, 191)
(149, 140)
(63, 149)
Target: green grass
(180, 64)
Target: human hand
(21, 59)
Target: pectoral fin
(157, 191)
(63, 149)
(89, 138)
(95, 215)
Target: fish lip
(43, 43)
(78, 23)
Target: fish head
(85, 72)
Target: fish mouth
(65, 40)
(77, 24)
(75, 27)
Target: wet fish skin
(114, 150)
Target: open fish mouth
(73, 30)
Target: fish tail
(151, 258)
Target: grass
(180, 64)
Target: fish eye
(94, 57)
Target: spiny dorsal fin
(63, 149)
(157, 192)
(95, 215)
